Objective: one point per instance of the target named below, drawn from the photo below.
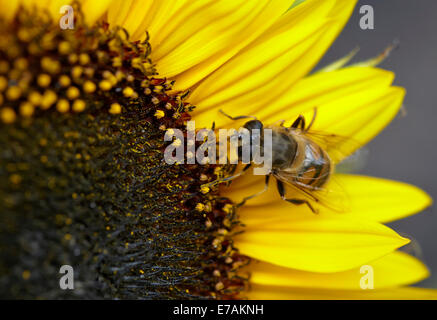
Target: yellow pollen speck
(155, 100)
(219, 286)
(64, 47)
(128, 92)
(105, 85)
(76, 71)
(26, 109)
(216, 273)
(13, 93)
(159, 114)
(79, 105)
(72, 58)
(158, 89)
(119, 75)
(4, 66)
(89, 72)
(64, 81)
(49, 65)
(44, 80)
(25, 275)
(73, 93)
(200, 207)
(89, 86)
(117, 62)
(63, 105)
(21, 64)
(3, 83)
(15, 178)
(48, 99)
(204, 189)
(147, 91)
(35, 98)
(43, 142)
(84, 59)
(208, 223)
(67, 237)
(7, 115)
(141, 271)
(115, 108)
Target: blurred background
(407, 149)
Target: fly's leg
(312, 120)
(266, 186)
(299, 122)
(226, 179)
(237, 118)
(281, 190)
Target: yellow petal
(281, 293)
(356, 103)
(338, 64)
(93, 10)
(394, 269)
(318, 244)
(8, 8)
(367, 198)
(202, 35)
(268, 67)
(137, 17)
(380, 199)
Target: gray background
(406, 150)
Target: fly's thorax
(284, 149)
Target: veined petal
(392, 270)
(153, 16)
(268, 67)
(368, 198)
(318, 244)
(281, 293)
(202, 35)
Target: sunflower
(82, 180)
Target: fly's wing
(336, 146)
(332, 195)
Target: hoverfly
(301, 159)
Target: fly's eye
(253, 124)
